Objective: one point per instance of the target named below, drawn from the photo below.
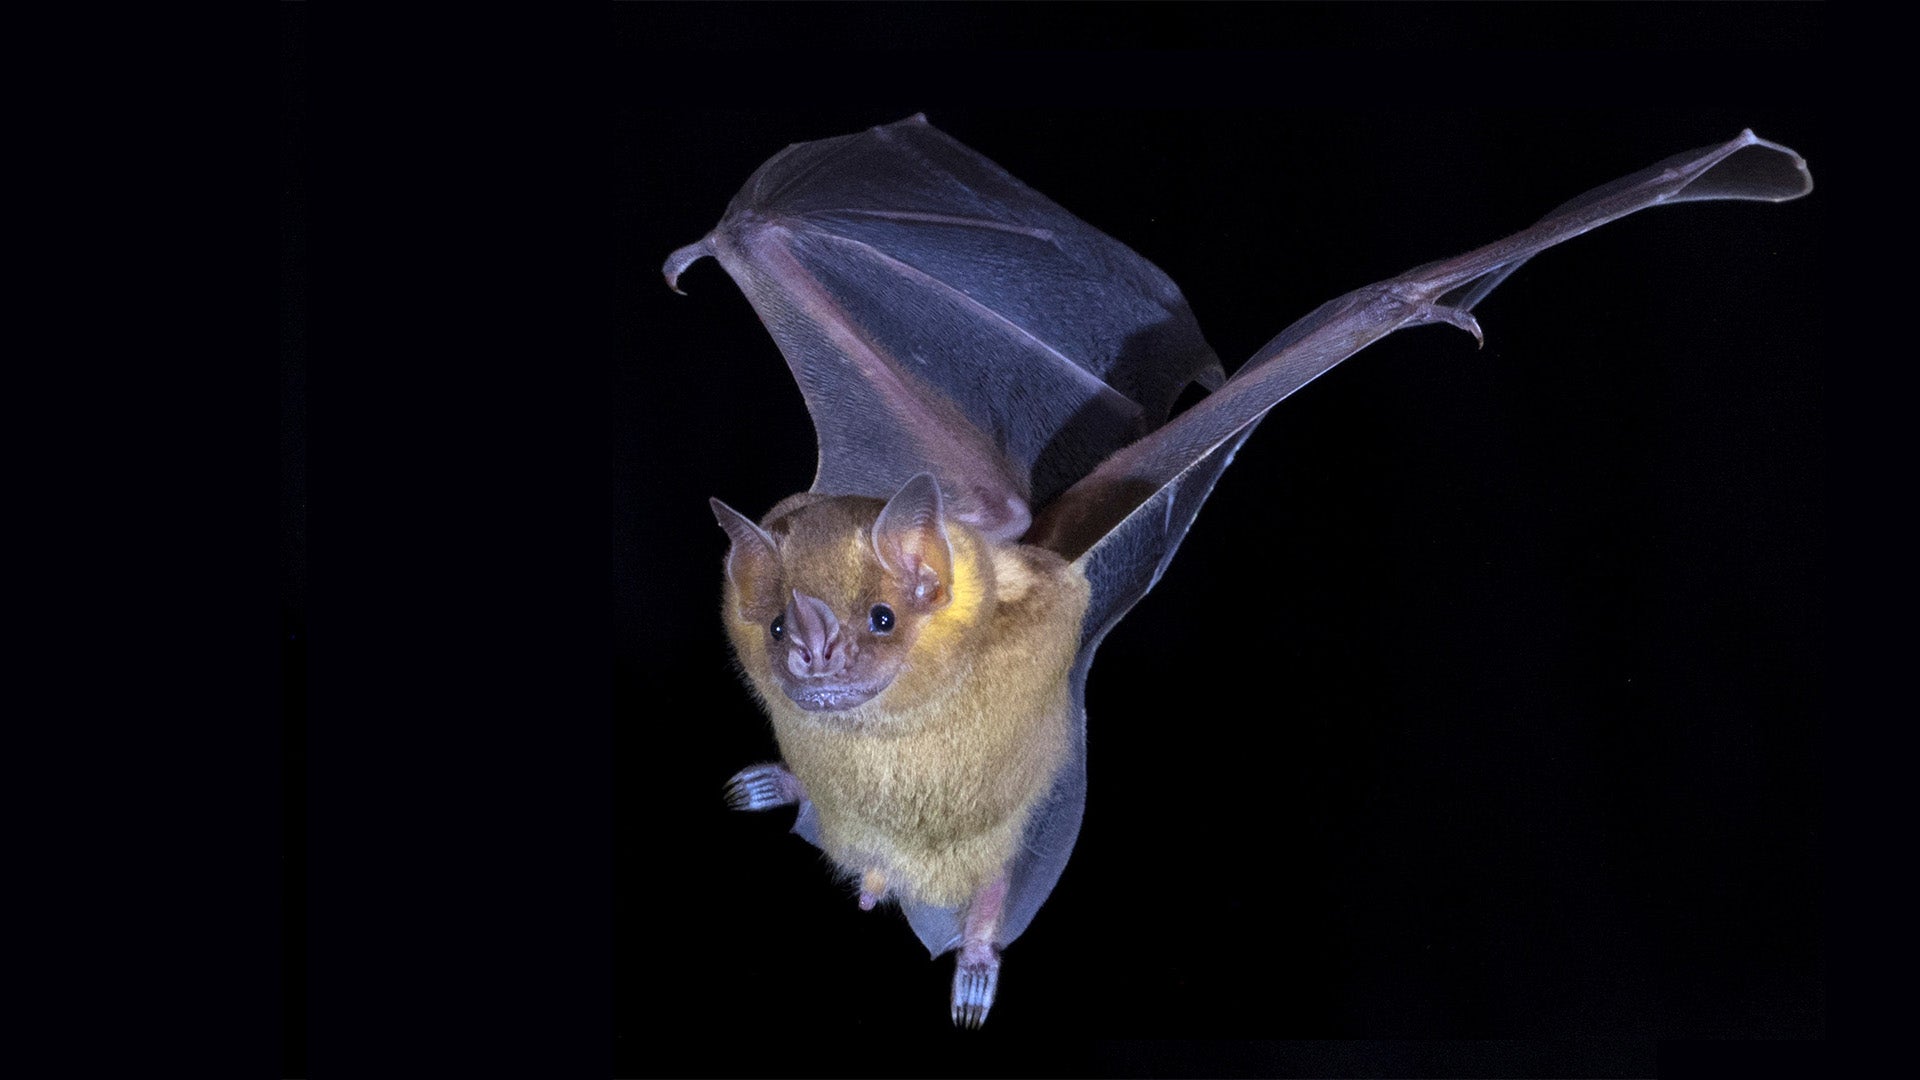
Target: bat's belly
(937, 812)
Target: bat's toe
(974, 984)
(762, 787)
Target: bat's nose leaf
(817, 650)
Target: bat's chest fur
(938, 811)
(936, 796)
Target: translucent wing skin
(1126, 518)
(940, 316)
(983, 334)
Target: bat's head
(837, 598)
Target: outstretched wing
(1125, 519)
(940, 316)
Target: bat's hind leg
(763, 787)
(976, 972)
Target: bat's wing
(940, 316)
(1124, 520)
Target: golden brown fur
(931, 782)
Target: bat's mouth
(831, 698)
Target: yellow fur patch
(968, 592)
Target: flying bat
(1001, 476)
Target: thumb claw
(1463, 319)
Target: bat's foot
(763, 787)
(975, 978)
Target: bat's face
(818, 614)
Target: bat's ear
(753, 560)
(910, 539)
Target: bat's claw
(762, 787)
(975, 978)
(1453, 316)
(678, 262)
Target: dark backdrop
(1487, 699)
(1484, 698)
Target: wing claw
(1459, 317)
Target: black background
(1484, 700)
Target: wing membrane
(1142, 499)
(941, 316)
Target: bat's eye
(779, 627)
(880, 619)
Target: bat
(992, 381)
